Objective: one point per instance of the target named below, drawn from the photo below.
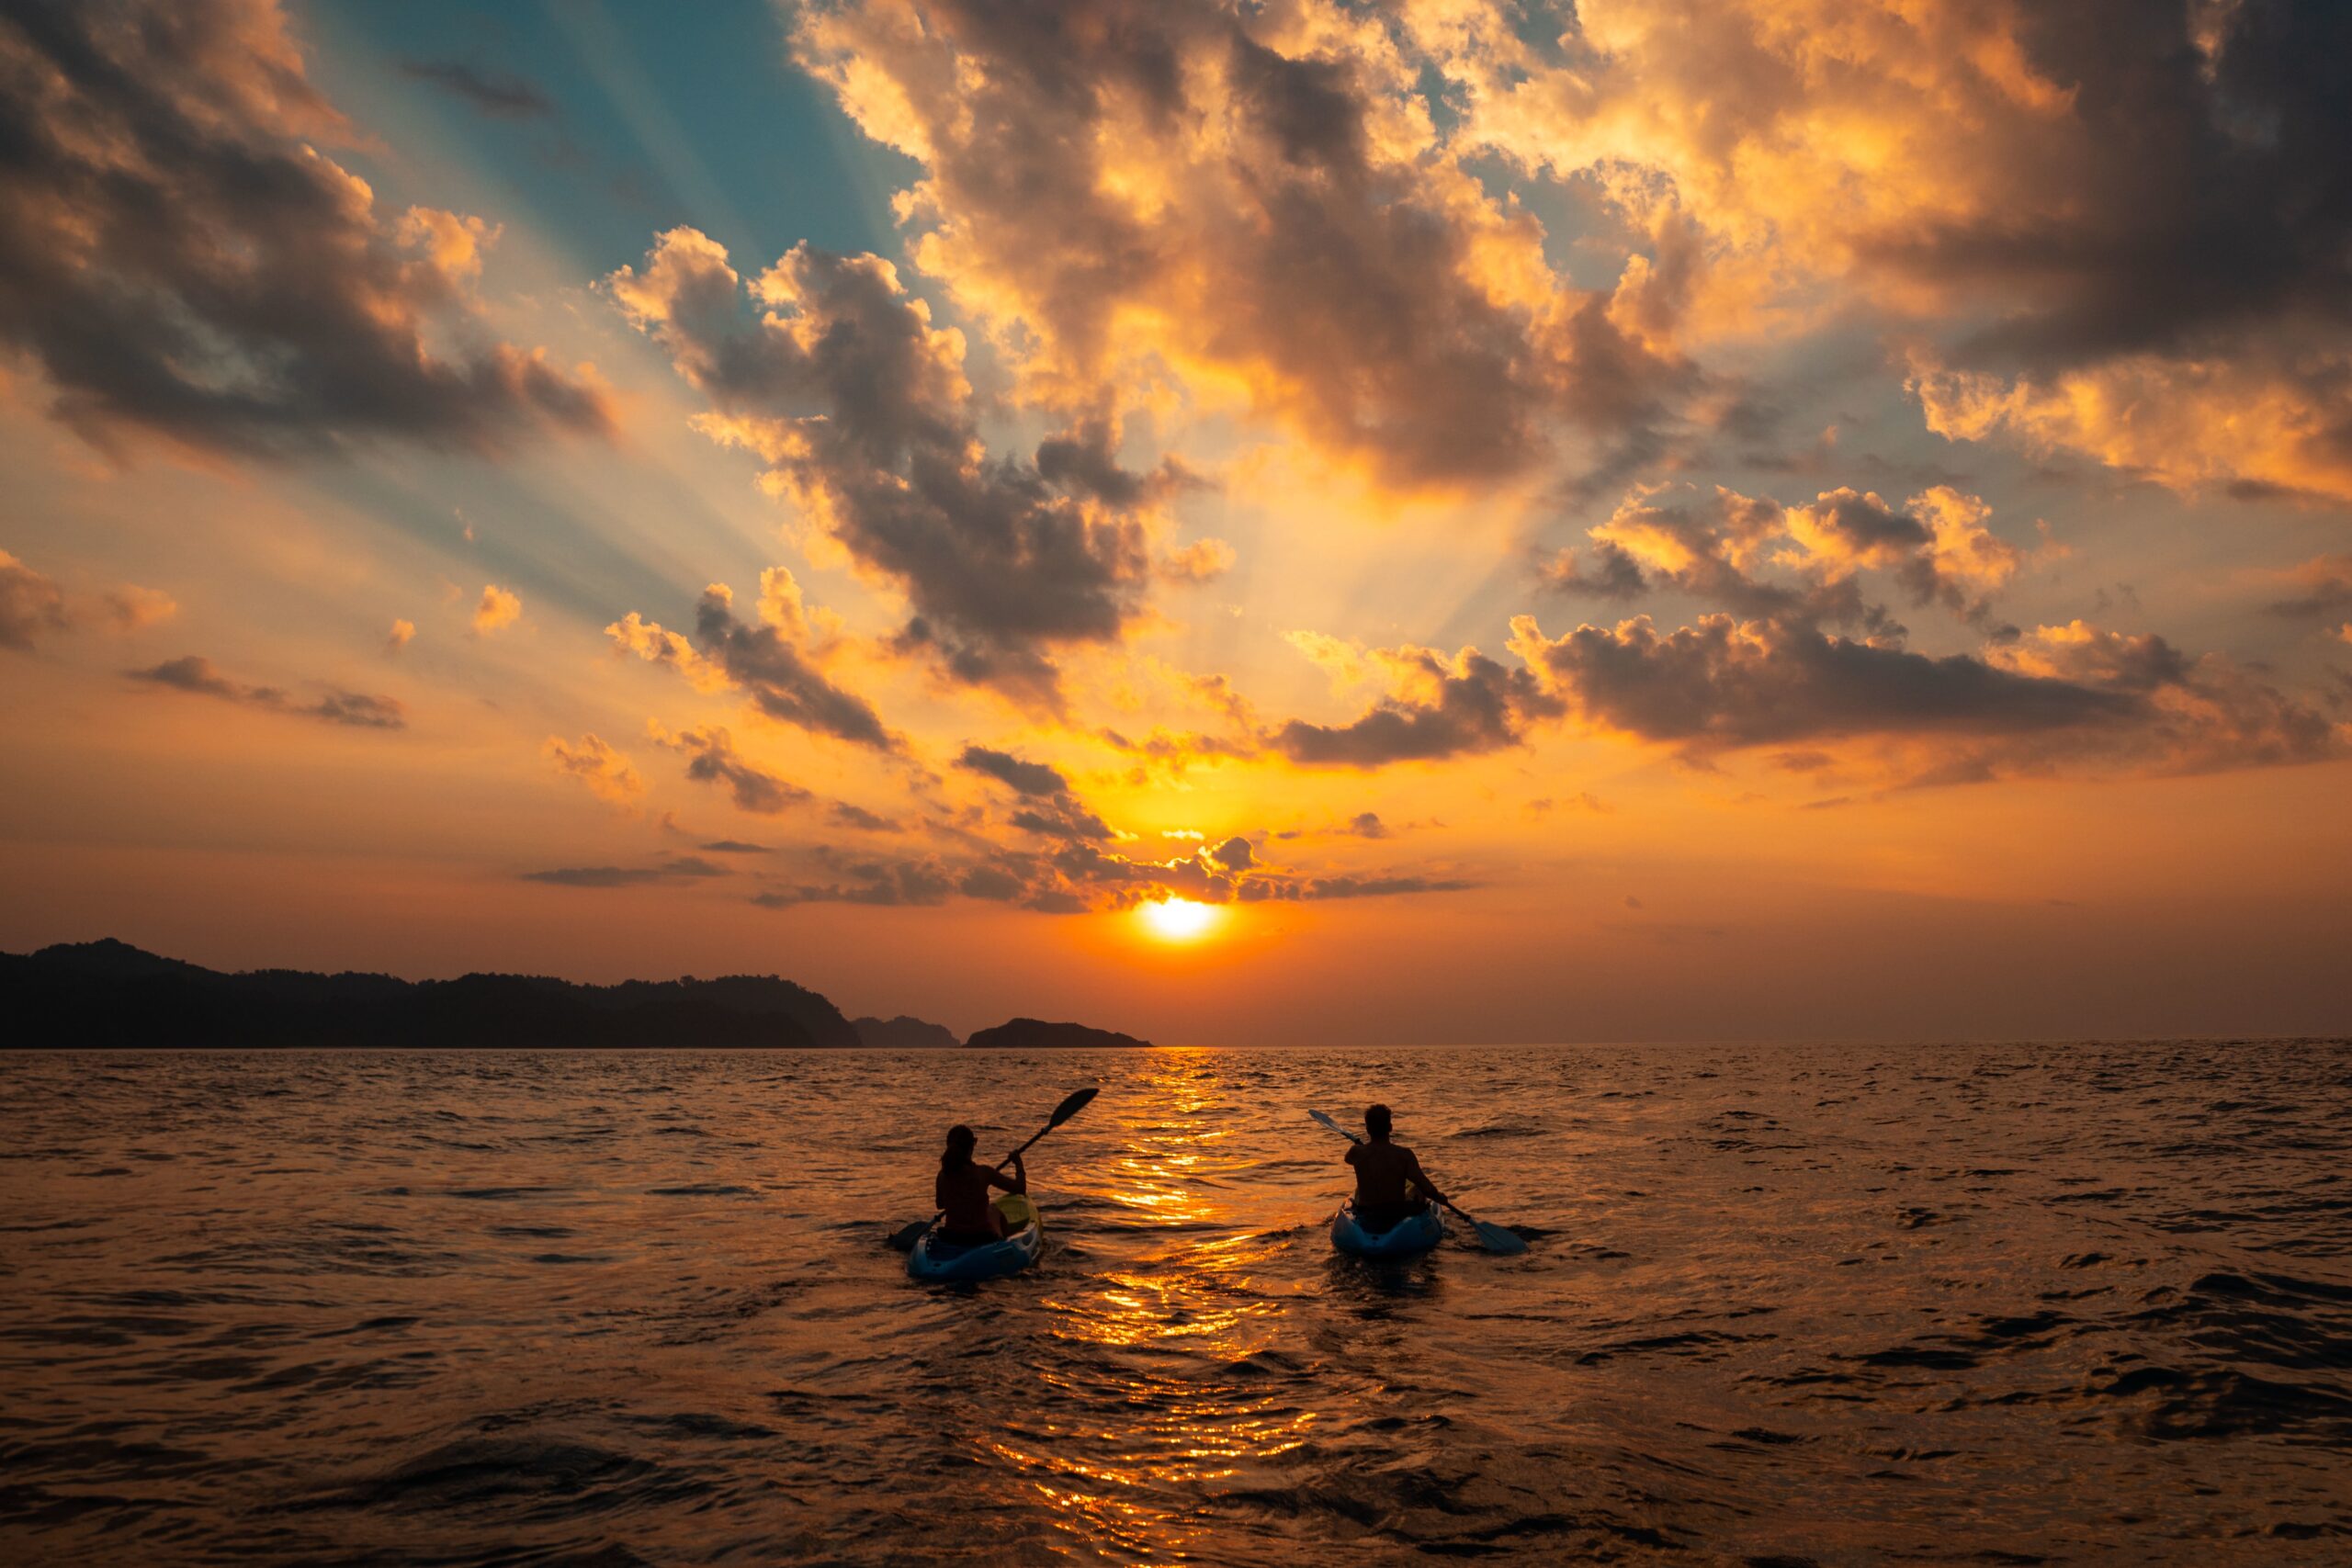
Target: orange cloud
(605, 771)
(497, 609)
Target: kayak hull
(943, 1263)
(1409, 1238)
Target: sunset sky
(1653, 519)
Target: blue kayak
(956, 1262)
(1409, 1238)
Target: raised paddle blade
(1072, 1106)
(1327, 1121)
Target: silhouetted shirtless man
(1382, 1170)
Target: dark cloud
(1367, 825)
(684, 868)
(770, 665)
(1046, 804)
(862, 406)
(1234, 854)
(857, 817)
(195, 673)
(735, 847)
(595, 876)
(881, 883)
(1732, 684)
(1462, 707)
(1604, 572)
(1022, 777)
(711, 758)
(1285, 889)
(496, 93)
(2202, 187)
(177, 257)
(2325, 584)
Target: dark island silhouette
(1034, 1034)
(110, 994)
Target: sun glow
(1178, 920)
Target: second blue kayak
(1409, 1238)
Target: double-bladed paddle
(904, 1238)
(1493, 1237)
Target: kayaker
(1382, 1170)
(970, 1215)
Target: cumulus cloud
(605, 772)
(1437, 707)
(1261, 199)
(32, 605)
(1726, 682)
(130, 608)
(402, 633)
(862, 407)
(178, 257)
(711, 758)
(497, 609)
(1204, 561)
(772, 662)
(358, 710)
(2116, 226)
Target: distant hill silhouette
(1034, 1034)
(902, 1034)
(108, 993)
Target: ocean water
(2007, 1304)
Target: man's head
(1375, 1121)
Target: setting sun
(1178, 920)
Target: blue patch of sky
(657, 115)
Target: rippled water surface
(1785, 1304)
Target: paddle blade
(1072, 1106)
(1327, 1121)
(1495, 1239)
(903, 1239)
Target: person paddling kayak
(969, 1216)
(1382, 1170)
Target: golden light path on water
(1191, 1300)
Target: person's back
(1390, 1183)
(967, 1214)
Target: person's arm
(1353, 1149)
(1421, 1178)
(1019, 1183)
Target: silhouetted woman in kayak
(963, 1191)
